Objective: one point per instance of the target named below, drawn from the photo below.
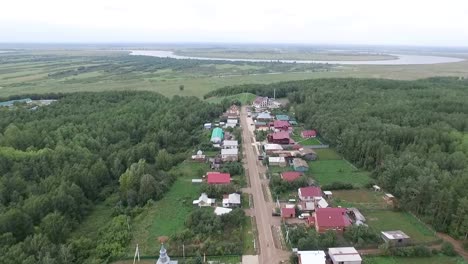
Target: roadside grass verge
(386, 220)
(248, 237)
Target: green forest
(410, 134)
(57, 162)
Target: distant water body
(401, 59)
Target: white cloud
(415, 22)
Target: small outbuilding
(395, 238)
(376, 188)
(204, 200)
(230, 144)
(221, 211)
(309, 134)
(344, 255)
(300, 165)
(311, 257)
(207, 126)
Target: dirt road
(269, 254)
(458, 245)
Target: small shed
(197, 181)
(376, 188)
(348, 255)
(395, 238)
(300, 165)
(356, 215)
(328, 194)
(207, 126)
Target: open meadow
(54, 71)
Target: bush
(418, 251)
(338, 186)
(447, 249)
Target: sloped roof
(282, 117)
(232, 151)
(309, 133)
(311, 191)
(288, 211)
(281, 135)
(331, 217)
(344, 254)
(311, 257)
(300, 163)
(281, 124)
(290, 175)
(217, 177)
(222, 210)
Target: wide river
(401, 60)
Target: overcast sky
(392, 22)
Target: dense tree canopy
(57, 161)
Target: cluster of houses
(223, 140)
(228, 202)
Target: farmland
(385, 220)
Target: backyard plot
(359, 198)
(327, 154)
(167, 216)
(296, 135)
(330, 171)
(385, 220)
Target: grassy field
(385, 220)
(248, 237)
(167, 216)
(31, 75)
(244, 98)
(329, 171)
(439, 259)
(99, 217)
(327, 154)
(359, 198)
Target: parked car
(304, 216)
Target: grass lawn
(327, 154)
(359, 198)
(244, 98)
(248, 237)
(308, 141)
(439, 259)
(99, 217)
(167, 216)
(385, 220)
(329, 171)
(278, 169)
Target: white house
(232, 200)
(230, 154)
(222, 210)
(203, 200)
(311, 257)
(344, 255)
(230, 144)
(270, 148)
(207, 125)
(277, 161)
(231, 123)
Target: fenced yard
(329, 171)
(386, 220)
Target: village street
(268, 245)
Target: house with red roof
(291, 175)
(218, 178)
(335, 219)
(309, 134)
(281, 137)
(281, 125)
(310, 193)
(288, 212)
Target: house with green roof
(282, 117)
(217, 135)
